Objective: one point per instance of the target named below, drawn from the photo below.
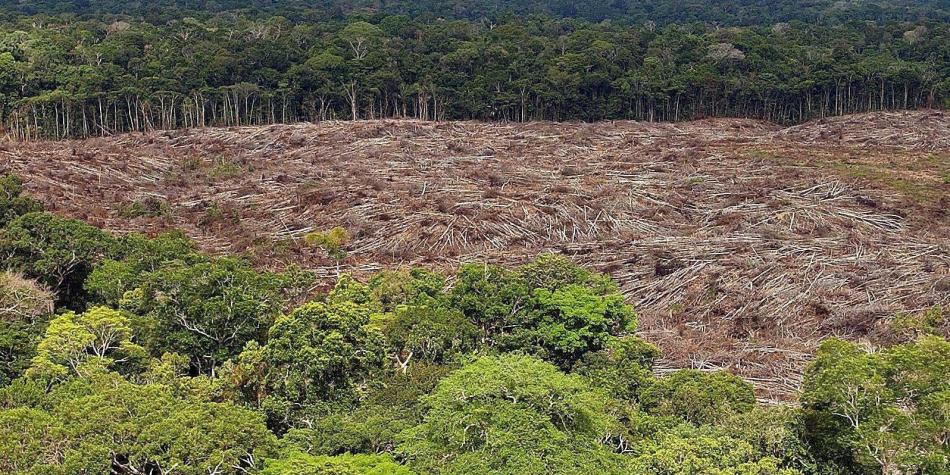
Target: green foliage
(290, 61)
(100, 335)
(419, 321)
(489, 296)
(25, 309)
(26, 435)
(299, 463)
(203, 308)
(58, 252)
(512, 414)
(173, 370)
(319, 354)
(348, 289)
(407, 286)
(391, 406)
(432, 333)
(886, 410)
(777, 432)
(690, 451)
(571, 321)
(333, 242)
(698, 397)
(553, 272)
(622, 369)
(551, 308)
(23, 392)
(933, 321)
(137, 256)
(103, 423)
(12, 204)
(209, 310)
(201, 436)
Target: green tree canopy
(211, 309)
(58, 252)
(551, 308)
(698, 397)
(100, 334)
(299, 463)
(136, 257)
(512, 414)
(887, 410)
(319, 355)
(689, 451)
(101, 423)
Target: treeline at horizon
(662, 12)
(67, 77)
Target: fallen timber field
(740, 243)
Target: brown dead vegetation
(741, 244)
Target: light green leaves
(688, 451)
(318, 354)
(100, 334)
(333, 242)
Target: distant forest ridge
(722, 12)
(66, 77)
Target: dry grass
(740, 244)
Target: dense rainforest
(69, 75)
(135, 355)
(726, 13)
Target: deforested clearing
(740, 243)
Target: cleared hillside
(740, 243)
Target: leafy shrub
(333, 242)
(149, 206)
(933, 321)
